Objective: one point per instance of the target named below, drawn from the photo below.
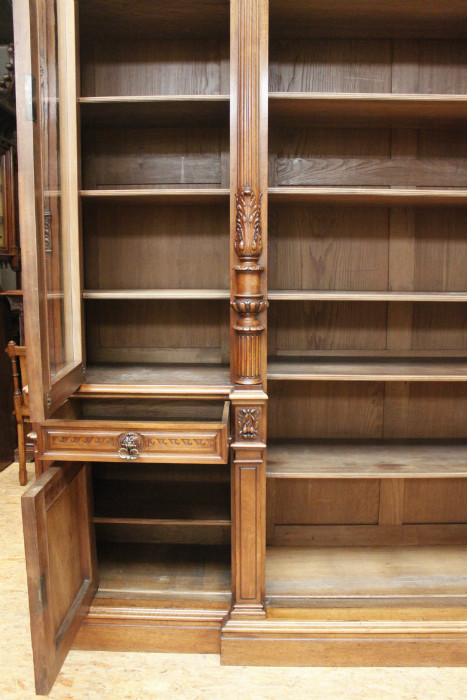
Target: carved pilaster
(248, 400)
(248, 301)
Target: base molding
(296, 642)
(130, 627)
(241, 611)
(385, 636)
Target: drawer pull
(129, 445)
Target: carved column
(249, 161)
(248, 300)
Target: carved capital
(249, 307)
(248, 240)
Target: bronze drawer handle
(129, 445)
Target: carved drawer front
(203, 441)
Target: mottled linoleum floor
(119, 676)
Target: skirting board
(181, 630)
(382, 642)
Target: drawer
(144, 431)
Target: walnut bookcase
(183, 166)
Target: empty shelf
(159, 571)
(156, 294)
(151, 196)
(155, 379)
(368, 369)
(342, 295)
(369, 196)
(297, 575)
(302, 459)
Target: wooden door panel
(61, 564)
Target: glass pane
(56, 204)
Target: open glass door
(61, 564)
(49, 198)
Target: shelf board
(158, 110)
(171, 196)
(306, 574)
(368, 196)
(160, 571)
(206, 380)
(368, 369)
(179, 522)
(338, 295)
(156, 294)
(366, 109)
(385, 459)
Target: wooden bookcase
(192, 165)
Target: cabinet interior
(367, 419)
(366, 330)
(163, 532)
(154, 112)
(367, 325)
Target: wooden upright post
(248, 301)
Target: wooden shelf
(160, 110)
(366, 196)
(155, 571)
(337, 295)
(366, 110)
(105, 380)
(300, 459)
(368, 369)
(306, 574)
(156, 294)
(153, 196)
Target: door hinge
(41, 593)
(85, 373)
(30, 98)
(49, 400)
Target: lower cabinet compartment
(163, 558)
(163, 531)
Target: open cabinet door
(61, 564)
(48, 190)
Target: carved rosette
(248, 301)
